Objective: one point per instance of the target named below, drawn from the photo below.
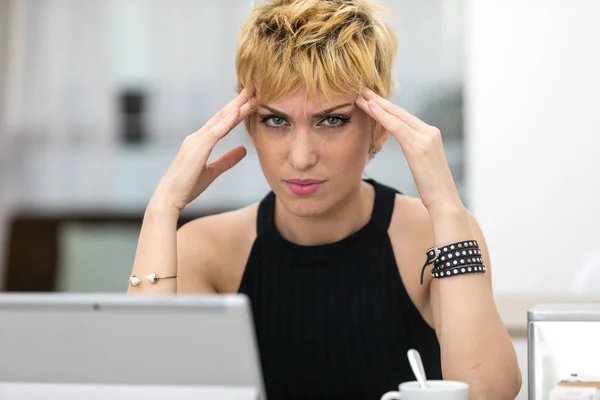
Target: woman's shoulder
(204, 246)
(225, 225)
(411, 234)
(409, 209)
(410, 219)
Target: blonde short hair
(332, 46)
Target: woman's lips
(303, 187)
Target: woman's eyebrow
(275, 111)
(319, 114)
(332, 109)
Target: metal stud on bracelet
(460, 271)
(454, 259)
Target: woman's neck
(348, 216)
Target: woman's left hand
(422, 146)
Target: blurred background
(96, 96)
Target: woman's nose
(302, 151)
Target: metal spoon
(416, 364)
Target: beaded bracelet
(454, 259)
(152, 278)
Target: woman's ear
(379, 137)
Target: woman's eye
(332, 122)
(274, 121)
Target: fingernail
(373, 104)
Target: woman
(331, 263)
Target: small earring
(373, 152)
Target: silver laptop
(97, 346)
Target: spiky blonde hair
(332, 46)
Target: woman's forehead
(297, 101)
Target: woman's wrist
(450, 224)
(450, 212)
(160, 209)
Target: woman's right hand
(189, 174)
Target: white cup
(436, 390)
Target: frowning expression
(312, 151)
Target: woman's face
(312, 151)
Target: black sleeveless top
(334, 321)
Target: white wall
(533, 123)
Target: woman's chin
(304, 207)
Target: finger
(393, 109)
(397, 127)
(208, 139)
(238, 102)
(244, 111)
(226, 161)
(222, 128)
(247, 108)
(364, 105)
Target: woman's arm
(475, 345)
(187, 177)
(156, 250)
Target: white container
(563, 339)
